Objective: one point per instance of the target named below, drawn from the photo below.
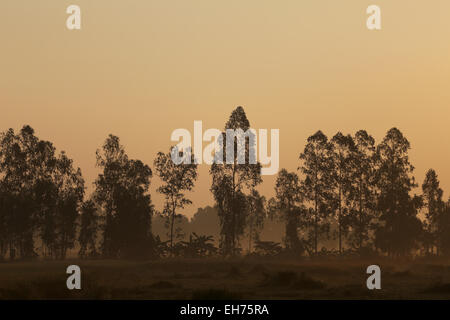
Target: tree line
(346, 188)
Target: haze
(141, 68)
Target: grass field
(226, 279)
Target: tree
(176, 178)
(88, 230)
(400, 229)
(288, 203)
(342, 157)
(362, 196)
(231, 180)
(70, 193)
(23, 164)
(122, 194)
(255, 216)
(41, 193)
(432, 196)
(3, 224)
(317, 168)
(444, 242)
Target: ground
(226, 279)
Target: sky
(140, 69)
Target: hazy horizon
(141, 69)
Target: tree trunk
(171, 227)
(360, 215)
(250, 238)
(340, 221)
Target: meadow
(244, 278)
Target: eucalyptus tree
(432, 196)
(317, 166)
(444, 243)
(288, 203)
(256, 213)
(177, 179)
(234, 173)
(41, 193)
(400, 229)
(121, 193)
(69, 198)
(342, 159)
(89, 227)
(363, 193)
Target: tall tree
(3, 224)
(400, 230)
(232, 180)
(444, 243)
(362, 196)
(342, 158)
(432, 196)
(22, 160)
(41, 193)
(122, 194)
(317, 187)
(255, 216)
(177, 179)
(70, 186)
(288, 203)
(88, 230)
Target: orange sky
(141, 68)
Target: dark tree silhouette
(444, 235)
(122, 194)
(288, 203)
(362, 196)
(41, 193)
(432, 196)
(176, 178)
(70, 193)
(400, 230)
(4, 225)
(350, 185)
(342, 157)
(256, 214)
(23, 161)
(88, 230)
(317, 187)
(231, 181)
